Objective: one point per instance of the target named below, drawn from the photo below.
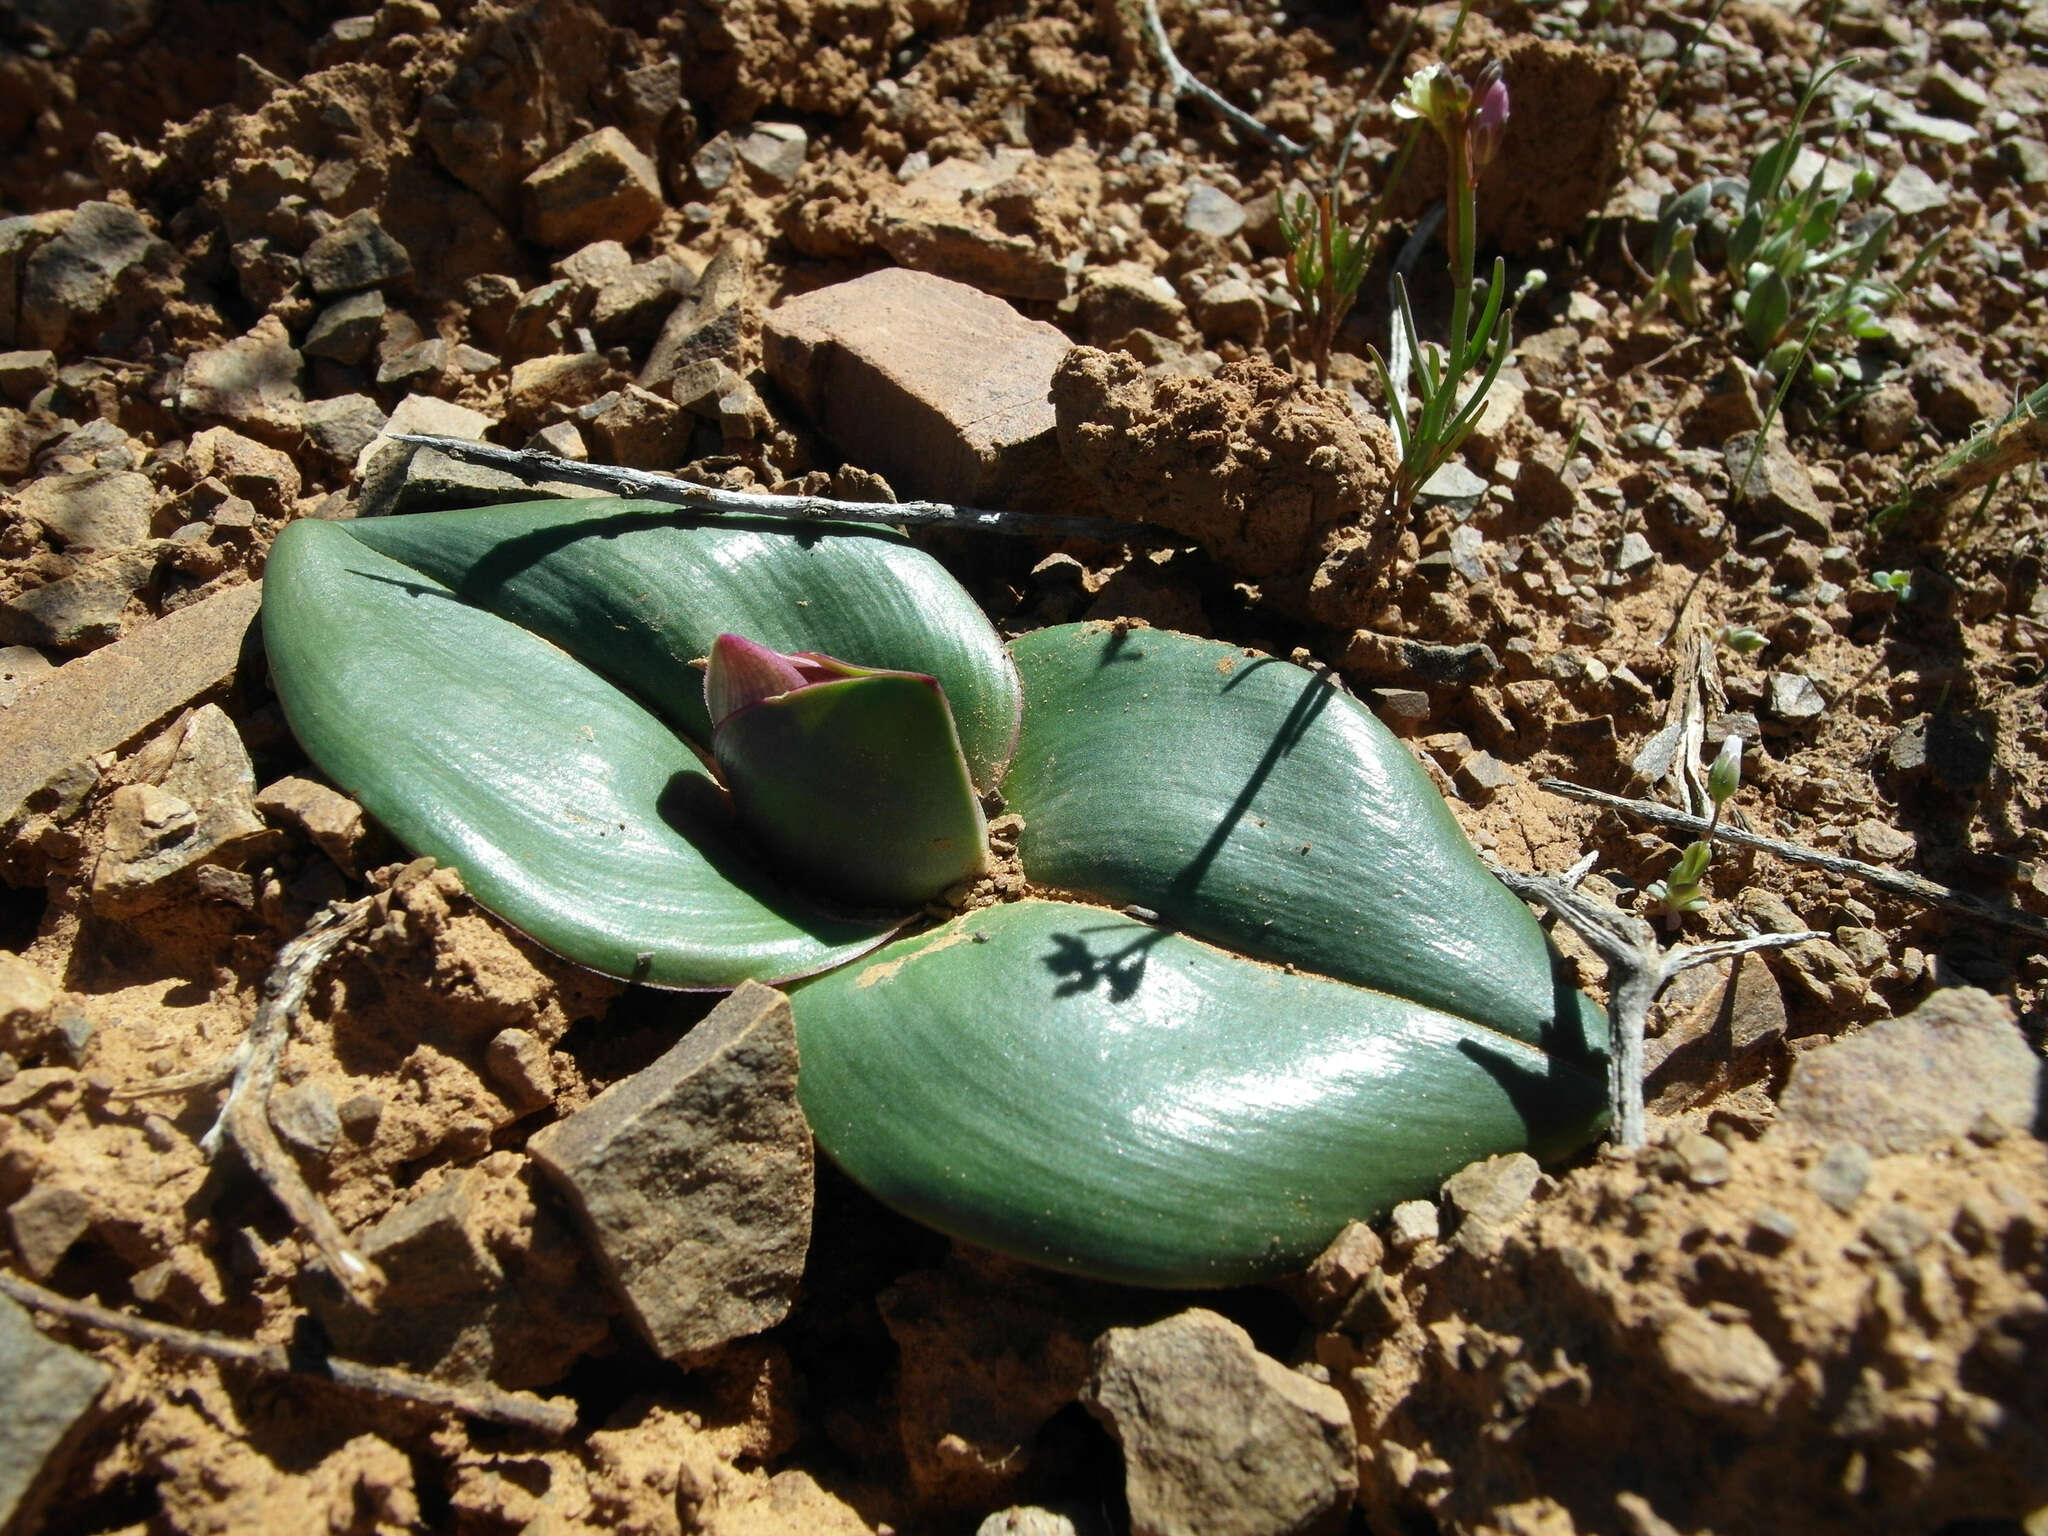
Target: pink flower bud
(1489, 117)
(744, 672)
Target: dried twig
(1638, 969)
(534, 467)
(2016, 438)
(244, 1117)
(1673, 754)
(1896, 881)
(1183, 82)
(548, 1416)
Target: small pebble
(305, 1117)
(1897, 1233)
(1771, 1229)
(359, 1115)
(1702, 1161)
(1841, 1175)
(1987, 1130)
(1412, 1223)
(518, 1064)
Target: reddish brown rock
(706, 327)
(264, 476)
(51, 1390)
(543, 384)
(1901, 1084)
(95, 511)
(1218, 1439)
(252, 381)
(93, 278)
(936, 386)
(641, 430)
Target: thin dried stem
(553, 1417)
(244, 1118)
(1183, 82)
(1896, 881)
(535, 467)
(2017, 438)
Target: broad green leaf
(638, 590)
(1077, 1089)
(856, 788)
(570, 810)
(1255, 805)
(1770, 306)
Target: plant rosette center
(1332, 1007)
(851, 778)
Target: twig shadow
(1121, 971)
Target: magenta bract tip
(744, 672)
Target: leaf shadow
(698, 810)
(1301, 715)
(1556, 1100)
(1294, 727)
(511, 556)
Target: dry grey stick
(533, 466)
(1896, 881)
(553, 1417)
(1183, 82)
(244, 1117)
(1638, 969)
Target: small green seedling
(1898, 583)
(1684, 889)
(1326, 262)
(1802, 264)
(1742, 639)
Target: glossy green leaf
(1074, 1088)
(1255, 805)
(1770, 308)
(857, 789)
(638, 590)
(570, 810)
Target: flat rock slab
(95, 510)
(1901, 1084)
(1218, 1439)
(938, 387)
(693, 1178)
(51, 1389)
(107, 699)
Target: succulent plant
(1262, 985)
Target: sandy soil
(1703, 1337)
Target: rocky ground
(248, 239)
